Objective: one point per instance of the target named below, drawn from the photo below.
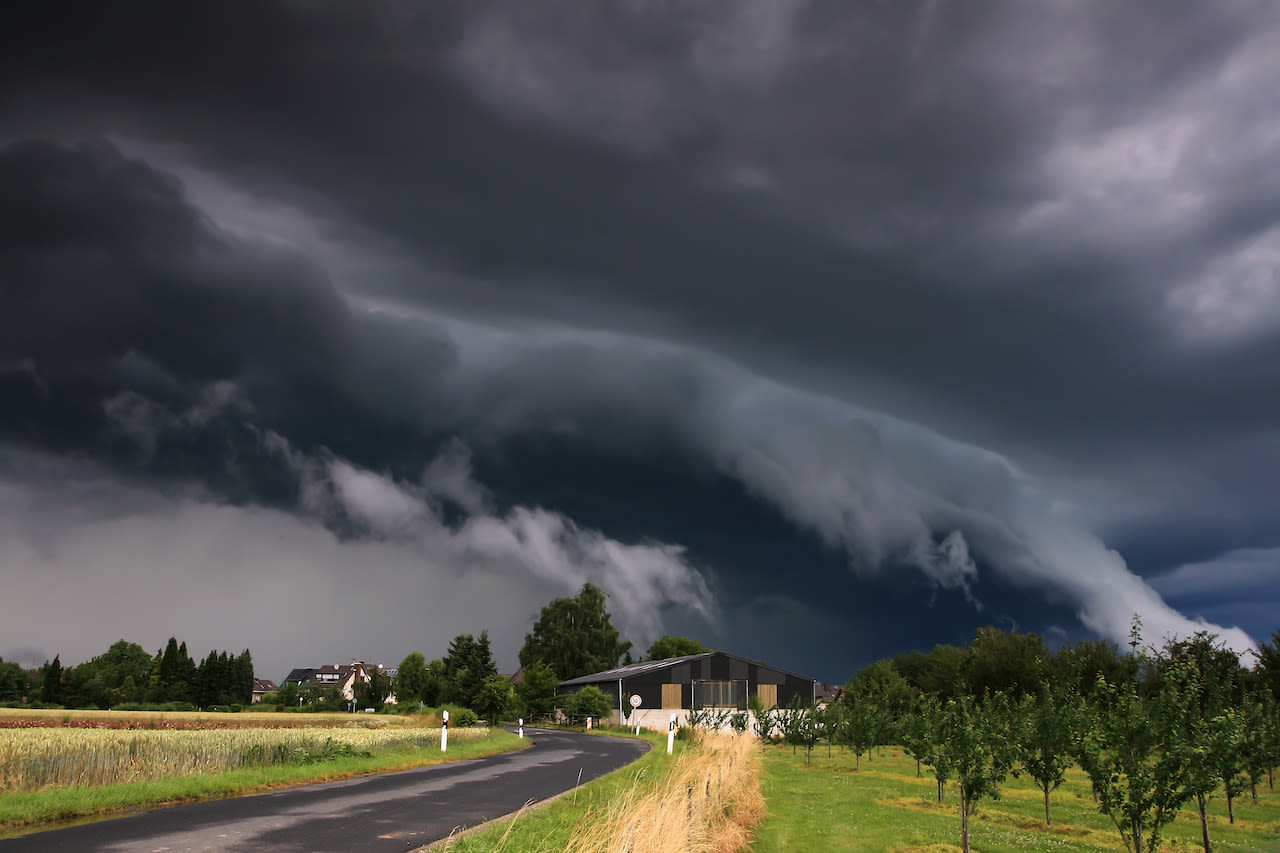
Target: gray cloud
(973, 289)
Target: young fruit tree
(933, 731)
(980, 744)
(858, 731)
(1136, 749)
(1044, 740)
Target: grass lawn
(829, 806)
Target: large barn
(707, 680)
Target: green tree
(287, 695)
(575, 636)
(914, 734)
(1044, 740)
(537, 690)
(859, 728)
(799, 727)
(1078, 666)
(1267, 667)
(1134, 746)
(411, 679)
(831, 722)
(118, 675)
(668, 646)
(941, 674)
(169, 665)
(588, 701)
(374, 692)
(468, 663)
(51, 681)
(1004, 662)
(13, 681)
(979, 746)
(933, 734)
(885, 687)
(494, 698)
(434, 689)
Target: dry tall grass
(709, 802)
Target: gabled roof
(623, 672)
(632, 669)
(300, 675)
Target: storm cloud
(976, 300)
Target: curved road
(389, 812)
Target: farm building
(707, 680)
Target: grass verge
(22, 811)
(705, 797)
(883, 807)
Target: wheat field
(57, 757)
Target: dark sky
(816, 330)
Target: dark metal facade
(714, 679)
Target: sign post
(671, 734)
(635, 706)
(444, 733)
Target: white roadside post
(444, 733)
(635, 705)
(588, 724)
(671, 734)
(522, 727)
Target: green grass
(831, 807)
(21, 811)
(548, 827)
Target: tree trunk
(917, 768)
(857, 761)
(1048, 821)
(1137, 836)
(1231, 808)
(1204, 823)
(940, 784)
(964, 826)
(1253, 789)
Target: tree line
(572, 636)
(126, 674)
(1155, 729)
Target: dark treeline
(126, 674)
(572, 636)
(1154, 728)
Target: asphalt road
(390, 812)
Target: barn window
(719, 694)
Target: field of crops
(26, 718)
(40, 753)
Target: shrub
(589, 701)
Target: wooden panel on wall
(671, 696)
(768, 694)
